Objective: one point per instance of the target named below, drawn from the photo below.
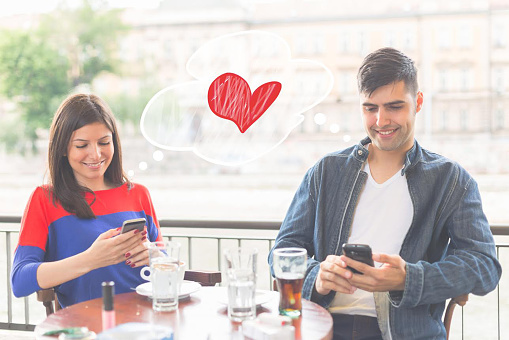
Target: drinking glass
(164, 268)
(289, 265)
(240, 271)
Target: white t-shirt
(381, 219)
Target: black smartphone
(137, 223)
(358, 252)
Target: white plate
(261, 297)
(186, 289)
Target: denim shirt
(449, 249)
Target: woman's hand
(111, 247)
(138, 256)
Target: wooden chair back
(49, 299)
(459, 300)
(206, 278)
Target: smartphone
(137, 223)
(358, 252)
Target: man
(420, 212)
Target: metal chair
(206, 278)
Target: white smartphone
(137, 223)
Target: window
(464, 120)
(444, 38)
(363, 44)
(499, 79)
(300, 44)
(443, 80)
(465, 36)
(409, 39)
(390, 39)
(343, 42)
(318, 43)
(465, 82)
(499, 35)
(445, 120)
(499, 119)
(345, 123)
(344, 83)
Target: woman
(70, 232)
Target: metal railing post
(462, 324)
(498, 298)
(219, 254)
(271, 285)
(9, 288)
(27, 311)
(189, 252)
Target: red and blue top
(50, 233)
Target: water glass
(240, 272)
(164, 268)
(289, 265)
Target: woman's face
(90, 152)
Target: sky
(8, 8)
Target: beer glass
(289, 265)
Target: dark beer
(290, 291)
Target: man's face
(389, 116)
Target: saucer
(261, 297)
(186, 289)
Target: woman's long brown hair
(75, 112)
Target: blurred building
(461, 49)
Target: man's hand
(333, 275)
(390, 276)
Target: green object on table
(72, 330)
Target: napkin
(137, 331)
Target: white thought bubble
(179, 117)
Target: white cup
(148, 277)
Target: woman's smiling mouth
(94, 165)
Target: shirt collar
(411, 158)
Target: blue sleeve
(27, 260)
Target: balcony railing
(199, 237)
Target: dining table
(200, 315)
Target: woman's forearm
(51, 274)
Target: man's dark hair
(386, 66)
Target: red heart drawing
(230, 98)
